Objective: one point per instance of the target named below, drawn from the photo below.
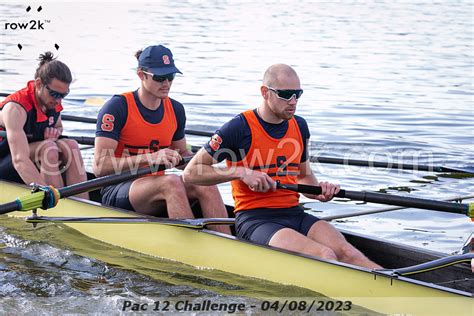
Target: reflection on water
(383, 80)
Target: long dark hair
(49, 68)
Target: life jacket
(36, 120)
(139, 136)
(279, 158)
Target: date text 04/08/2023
(209, 306)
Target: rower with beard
(34, 151)
(262, 146)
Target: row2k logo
(34, 24)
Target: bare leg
(71, 157)
(211, 203)
(146, 195)
(290, 239)
(45, 155)
(323, 241)
(324, 233)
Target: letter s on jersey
(107, 123)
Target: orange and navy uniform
(36, 120)
(276, 149)
(137, 130)
(139, 136)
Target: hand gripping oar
(383, 198)
(47, 196)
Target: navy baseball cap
(158, 60)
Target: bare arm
(180, 146)
(14, 118)
(307, 176)
(201, 172)
(106, 163)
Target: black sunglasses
(162, 78)
(55, 94)
(287, 94)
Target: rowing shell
(379, 291)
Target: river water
(390, 81)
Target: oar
(328, 160)
(46, 197)
(197, 223)
(383, 198)
(73, 118)
(383, 210)
(388, 165)
(98, 101)
(84, 140)
(430, 265)
(87, 140)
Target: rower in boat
(146, 127)
(31, 117)
(266, 145)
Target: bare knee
(349, 253)
(67, 147)
(171, 184)
(327, 253)
(48, 153)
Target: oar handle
(383, 198)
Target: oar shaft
(112, 179)
(432, 265)
(379, 164)
(9, 207)
(84, 140)
(383, 198)
(73, 118)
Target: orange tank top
(279, 158)
(139, 136)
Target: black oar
(383, 198)
(73, 118)
(328, 160)
(42, 198)
(87, 140)
(383, 210)
(431, 265)
(197, 223)
(388, 165)
(84, 140)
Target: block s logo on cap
(166, 60)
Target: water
(382, 80)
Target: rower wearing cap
(145, 127)
(34, 151)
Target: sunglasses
(287, 94)
(162, 78)
(55, 94)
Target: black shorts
(7, 171)
(259, 225)
(117, 195)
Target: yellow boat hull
(206, 249)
